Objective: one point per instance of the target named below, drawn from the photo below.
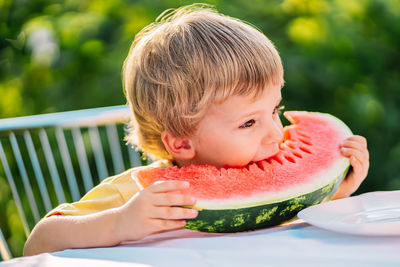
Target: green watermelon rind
(261, 216)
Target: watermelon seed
(290, 145)
(303, 134)
(290, 159)
(279, 161)
(261, 165)
(305, 141)
(297, 155)
(305, 150)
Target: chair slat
(98, 152)
(37, 170)
(66, 159)
(113, 140)
(83, 161)
(4, 250)
(52, 166)
(134, 156)
(27, 170)
(14, 190)
(24, 176)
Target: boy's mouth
(270, 153)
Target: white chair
(55, 158)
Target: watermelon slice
(307, 170)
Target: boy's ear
(178, 147)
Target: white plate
(374, 214)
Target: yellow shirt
(110, 193)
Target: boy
(204, 88)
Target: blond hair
(186, 60)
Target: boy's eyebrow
(256, 111)
(249, 114)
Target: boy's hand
(355, 148)
(154, 209)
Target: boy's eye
(278, 110)
(247, 124)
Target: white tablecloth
(297, 244)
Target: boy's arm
(62, 226)
(152, 210)
(61, 232)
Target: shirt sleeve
(110, 193)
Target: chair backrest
(55, 158)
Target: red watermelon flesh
(309, 158)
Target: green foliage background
(340, 57)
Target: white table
(296, 244)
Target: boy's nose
(274, 134)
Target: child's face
(240, 130)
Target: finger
(169, 199)
(349, 146)
(354, 144)
(357, 138)
(363, 164)
(167, 186)
(360, 164)
(348, 152)
(357, 174)
(356, 164)
(169, 224)
(165, 225)
(174, 213)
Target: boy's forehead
(273, 91)
(238, 104)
